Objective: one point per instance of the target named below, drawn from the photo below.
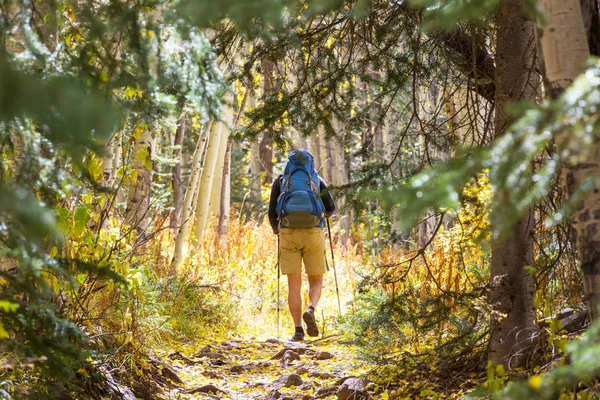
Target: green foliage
(252, 17)
(581, 369)
(75, 113)
(448, 14)
(508, 160)
(438, 187)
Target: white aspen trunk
(225, 193)
(192, 189)
(206, 179)
(563, 43)
(138, 195)
(175, 217)
(214, 204)
(565, 51)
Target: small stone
(212, 375)
(302, 370)
(273, 395)
(238, 369)
(306, 386)
(288, 380)
(273, 341)
(205, 389)
(323, 355)
(353, 389)
(326, 391)
(288, 358)
(301, 350)
(322, 375)
(279, 355)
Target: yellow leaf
(385, 396)
(330, 41)
(3, 333)
(535, 382)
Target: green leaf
(81, 218)
(8, 306)
(3, 333)
(70, 113)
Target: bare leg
(315, 286)
(294, 299)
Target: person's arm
(326, 198)
(275, 192)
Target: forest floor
(268, 369)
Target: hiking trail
(268, 369)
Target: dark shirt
(276, 191)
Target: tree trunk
(138, 195)
(255, 170)
(217, 182)
(225, 193)
(315, 149)
(325, 167)
(563, 43)
(565, 50)
(591, 24)
(206, 179)
(188, 200)
(340, 178)
(513, 326)
(175, 218)
(266, 143)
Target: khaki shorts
(298, 244)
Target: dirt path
(271, 369)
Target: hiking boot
(311, 325)
(298, 337)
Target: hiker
(298, 207)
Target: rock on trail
(272, 369)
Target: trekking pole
(278, 281)
(337, 290)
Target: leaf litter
(252, 368)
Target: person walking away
(298, 207)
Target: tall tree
(266, 142)
(566, 49)
(217, 187)
(138, 190)
(175, 218)
(513, 325)
(188, 202)
(206, 179)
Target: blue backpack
(299, 204)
